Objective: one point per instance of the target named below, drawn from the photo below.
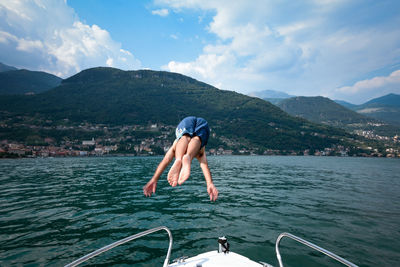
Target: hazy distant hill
(345, 104)
(112, 96)
(390, 100)
(26, 81)
(4, 67)
(385, 108)
(321, 110)
(271, 95)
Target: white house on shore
(89, 142)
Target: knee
(186, 137)
(197, 138)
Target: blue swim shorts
(193, 126)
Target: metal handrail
(311, 245)
(123, 241)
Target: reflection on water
(53, 211)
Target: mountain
(114, 97)
(4, 67)
(321, 110)
(271, 95)
(324, 110)
(387, 100)
(385, 108)
(345, 104)
(26, 81)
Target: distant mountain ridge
(345, 104)
(321, 110)
(116, 97)
(271, 95)
(26, 81)
(4, 67)
(386, 108)
(338, 112)
(386, 100)
(324, 110)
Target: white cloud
(110, 62)
(376, 82)
(28, 45)
(371, 88)
(301, 47)
(49, 36)
(160, 12)
(247, 49)
(6, 37)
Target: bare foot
(173, 173)
(185, 172)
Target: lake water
(53, 211)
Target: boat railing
(311, 245)
(166, 261)
(123, 241)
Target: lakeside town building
(154, 139)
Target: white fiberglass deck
(215, 259)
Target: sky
(341, 49)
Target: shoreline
(213, 155)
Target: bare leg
(192, 150)
(181, 147)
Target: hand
(150, 188)
(212, 192)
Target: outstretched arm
(151, 186)
(211, 189)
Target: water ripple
(55, 210)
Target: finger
(215, 194)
